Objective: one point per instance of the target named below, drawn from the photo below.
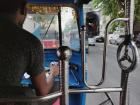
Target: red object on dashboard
(50, 43)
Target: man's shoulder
(26, 33)
(29, 36)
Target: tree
(137, 10)
(116, 8)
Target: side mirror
(92, 24)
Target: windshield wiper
(48, 27)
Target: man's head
(14, 8)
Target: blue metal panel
(50, 55)
(81, 15)
(59, 1)
(77, 99)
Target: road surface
(112, 76)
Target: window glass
(70, 28)
(45, 26)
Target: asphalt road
(113, 76)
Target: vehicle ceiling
(59, 1)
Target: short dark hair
(11, 6)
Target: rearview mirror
(92, 24)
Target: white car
(116, 39)
(91, 41)
(119, 40)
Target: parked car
(86, 46)
(99, 39)
(119, 40)
(91, 41)
(116, 39)
(112, 39)
(138, 41)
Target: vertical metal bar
(60, 42)
(124, 82)
(62, 79)
(132, 7)
(129, 13)
(60, 27)
(64, 82)
(64, 54)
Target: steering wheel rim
(133, 61)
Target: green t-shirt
(20, 52)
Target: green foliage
(117, 24)
(137, 10)
(115, 8)
(111, 8)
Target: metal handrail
(104, 55)
(105, 46)
(64, 54)
(96, 90)
(31, 99)
(57, 94)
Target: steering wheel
(126, 56)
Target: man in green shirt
(20, 51)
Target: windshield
(70, 28)
(45, 26)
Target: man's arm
(42, 84)
(36, 70)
